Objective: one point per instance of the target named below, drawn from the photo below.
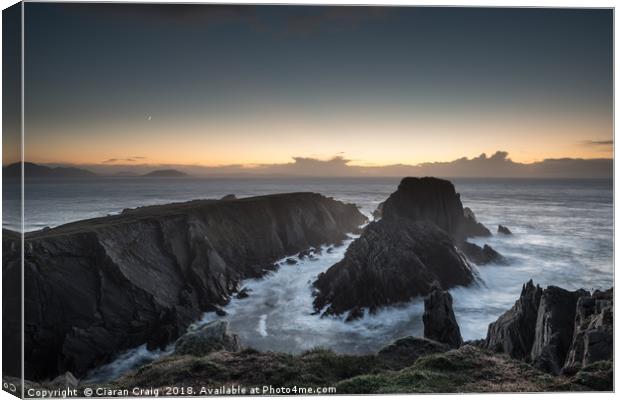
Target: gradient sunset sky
(218, 85)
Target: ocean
(562, 235)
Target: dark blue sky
(243, 84)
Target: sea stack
(412, 248)
(439, 320)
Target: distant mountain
(165, 173)
(32, 170)
(125, 174)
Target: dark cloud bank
(499, 165)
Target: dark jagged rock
(439, 320)
(471, 226)
(554, 328)
(513, 332)
(480, 255)
(593, 332)
(503, 230)
(212, 336)
(229, 197)
(304, 254)
(402, 255)
(405, 351)
(291, 261)
(94, 287)
(391, 262)
(220, 312)
(243, 293)
(355, 314)
(434, 200)
(557, 330)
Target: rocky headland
(96, 287)
(418, 241)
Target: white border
(476, 3)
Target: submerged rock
(405, 351)
(503, 230)
(303, 254)
(219, 312)
(480, 255)
(291, 261)
(355, 314)
(243, 293)
(513, 332)
(439, 320)
(207, 338)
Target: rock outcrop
(97, 287)
(593, 332)
(503, 230)
(471, 226)
(439, 320)
(207, 338)
(557, 330)
(513, 332)
(402, 255)
(434, 200)
(480, 255)
(391, 262)
(554, 328)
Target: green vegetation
(468, 369)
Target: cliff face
(434, 200)
(412, 248)
(99, 286)
(557, 330)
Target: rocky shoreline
(210, 356)
(439, 362)
(99, 286)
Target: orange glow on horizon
(372, 139)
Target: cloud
(130, 159)
(598, 142)
(497, 165)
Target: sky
(211, 86)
